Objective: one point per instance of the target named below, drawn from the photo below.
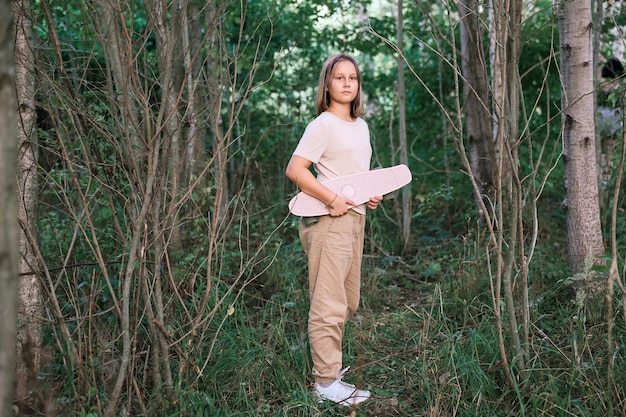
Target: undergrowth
(421, 349)
(424, 342)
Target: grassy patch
(424, 345)
(405, 347)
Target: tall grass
(424, 342)
(418, 347)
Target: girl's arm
(298, 172)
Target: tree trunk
(8, 209)
(505, 21)
(597, 9)
(167, 25)
(478, 124)
(29, 331)
(195, 153)
(579, 151)
(404, 158)
(220, 139)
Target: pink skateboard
(357, 187)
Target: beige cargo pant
(334, 247)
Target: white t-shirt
(336, 147)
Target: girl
(337, 143)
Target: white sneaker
(340, 392)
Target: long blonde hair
(323, 97)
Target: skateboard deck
(357, 187)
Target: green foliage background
(425, 340)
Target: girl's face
(344, 83)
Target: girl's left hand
(374, 202)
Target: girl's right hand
(340, 206)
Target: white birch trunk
(30, 307)
(8, 208)
(579, 150)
